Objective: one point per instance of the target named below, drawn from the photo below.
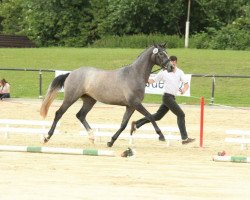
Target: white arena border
(54, 150)
(237, 159)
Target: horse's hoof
(162, 138)
(45, 140)
(109, 144)
(92, 140)
(91, 136)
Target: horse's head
(162, 58)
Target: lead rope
(156, 70)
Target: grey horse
(124, 86)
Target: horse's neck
(143, 65)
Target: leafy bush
(202, 40)
(234, 36)
(231, 38)
(138, 41)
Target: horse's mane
(151, 46)
(129, 65)
(144, 51)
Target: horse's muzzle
(168, 66)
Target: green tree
(1, 18)
(59, 22)
(143, 16)
(167, 16)
(215, 14)
(11, 12)
(1, 27)
(79, 23)
(99, 11)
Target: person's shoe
(133, 127)
(188, 140)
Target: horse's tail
(56, 85)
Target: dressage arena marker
(238, 159)
(53, 150)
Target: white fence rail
(17, 126)
(144, 132)
(241, 137)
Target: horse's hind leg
(88, 103)
(58, 115)
(140, 108)
(126, 117)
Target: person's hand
(182, 90)
(151, 81)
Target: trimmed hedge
(230, 37)
(138, 41)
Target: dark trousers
(6, 95)
(168, 103)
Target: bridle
(156, 52)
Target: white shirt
(5, 89)
(171, 80)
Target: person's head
(173, 59)
(3, 82)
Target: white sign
(157, 88)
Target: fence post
(40, 84)
(202, 121)
(213, 88)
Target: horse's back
(118, 87)
(97, 83)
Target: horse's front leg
(126, 117)
(140, 108)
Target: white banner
(157, 88)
